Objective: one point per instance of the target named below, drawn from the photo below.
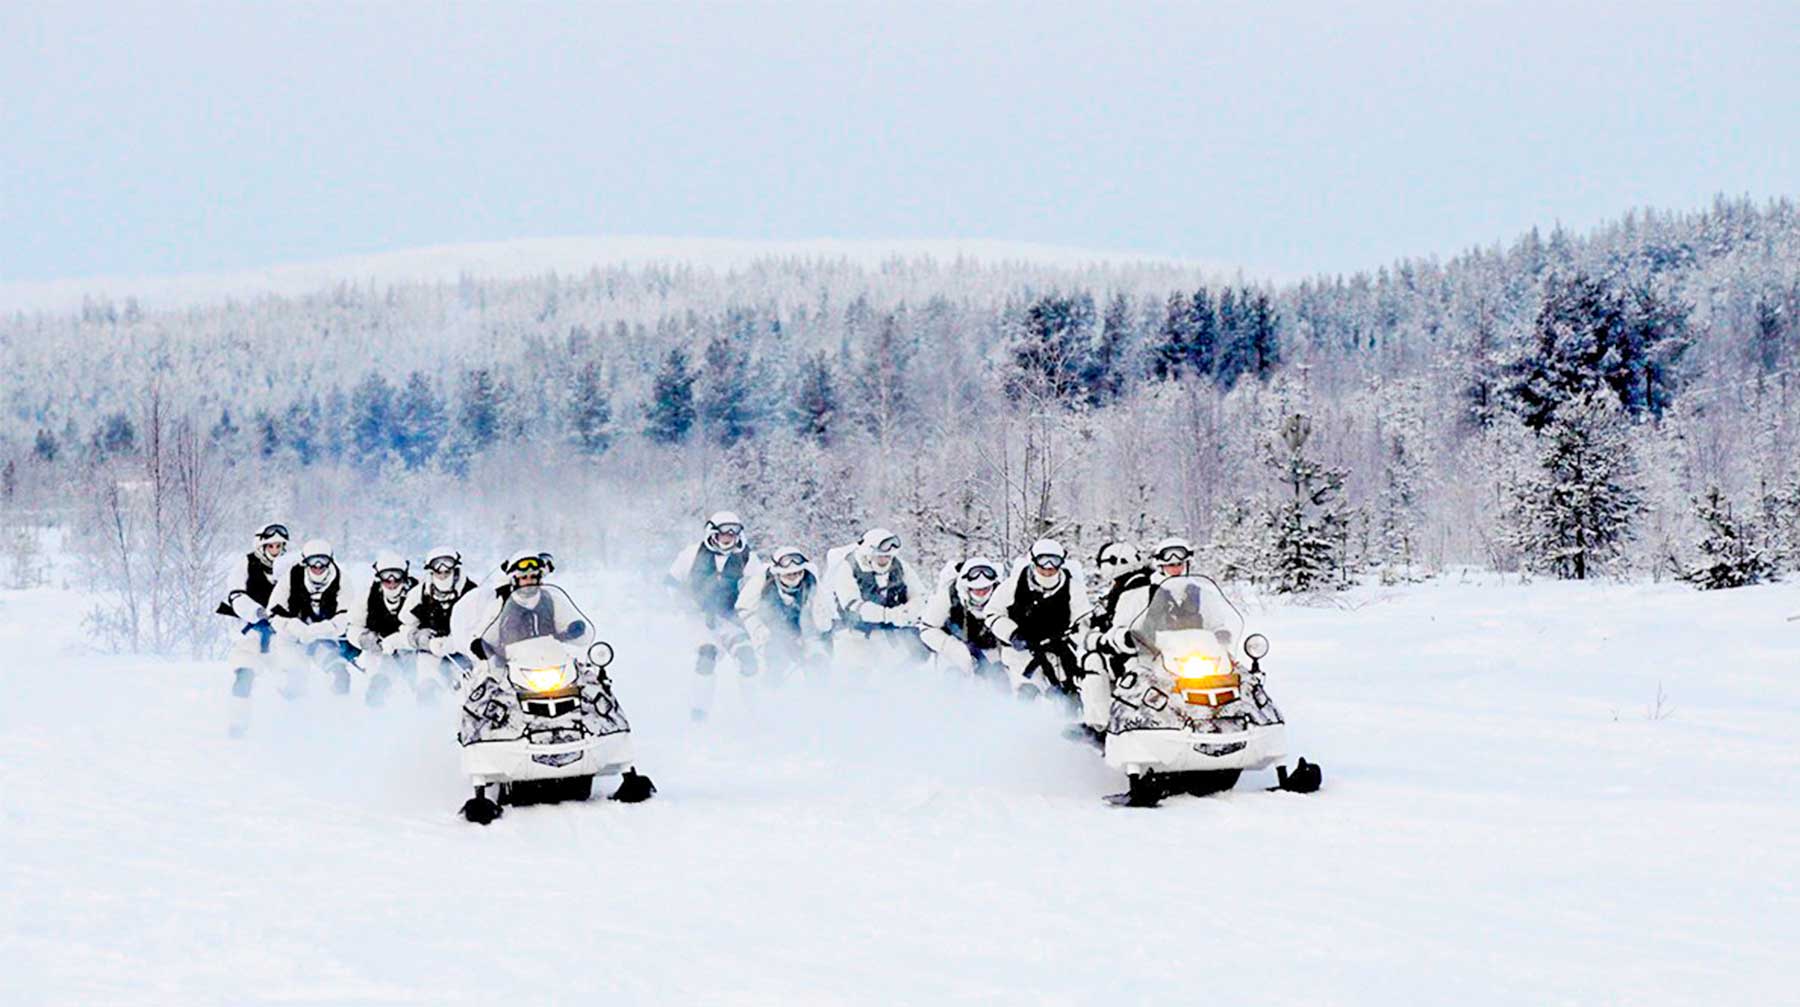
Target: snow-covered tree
(725, 394)
(812, 410)
(372, 420)
(590, 410)
(1729, 554)
(670, 412)
(1576, 512)
(1307, 519)
(419, 420)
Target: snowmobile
(539, 718)
(1189, 713)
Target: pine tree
(372, 420)
(1306, 517)
(725, 391)
(45, 446)
(1403, 470)
(1589, 336)
(590, 410)
(1050, 353)
(1171, 356)
(1108, 367)
(670, 412)
(1779, 525)
(420, 422)
(1729, 556)
(478, 411)
(1576, 512)
(300, 430)
(812, 411)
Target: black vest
(774, 598)
(967, 625)
(715, 587)
(1109, 607)
(1041, 617)
(382, 620)
(887, 597)
(433, 612)
(259, 584)
(300, 600)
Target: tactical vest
(773, 598)
(1109, 607)
(1041, 617)
(715, 587)
(433, 612)
(259, 584)
(301, 603)
(517, 623)
(968, 625)
(894, 594)
(382, 620)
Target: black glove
(478, 647)
(1018, 642)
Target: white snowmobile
(1189, 713)
(539, 719)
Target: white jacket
(845, 600)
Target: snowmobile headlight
(1204, 680)
(546, 679)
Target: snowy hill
(511, 260)
(1507, 819)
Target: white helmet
(724, 523)
(440, 553)
(786, 560)
(1048, 552)
(388, 560)
(1114, 558)
(977, 578)
(274, 531)
(879, 542)
(1172, 550)
(527, 561)
(315, 555)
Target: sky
(1288, 139)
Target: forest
(1620, 403)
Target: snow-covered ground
(1505, 820)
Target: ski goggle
(728, 529)
(318, 564)
(527, 564)
(274, 531)
(790, 561)
(391, 577)
(981, 574)
(888, 546)
(1048, 561)
(1174, 554)
(442, 565)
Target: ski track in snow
(1502, 823)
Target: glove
(245, 608)
(1018, 642)
(439, 646)
(573, 632)
(366, 641)
(393, 643)
(1119, 641)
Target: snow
(527, 257)
(1504, 820)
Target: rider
(778, 607)
(1033, 613)
(1130, 594)
(1118, 563)
(524, 610)
(710, 573)
(952, 626)
(875, 600)
(425, 614)
(251, 582)
(376, 625)
(308, 614)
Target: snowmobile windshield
(547, 611)
(1190, 611)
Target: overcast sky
(1285, 138)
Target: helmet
(879, 542)
(442, 556)
(1115, 558)
(1172, 550)
(272, 532)
(976, 578)
(391, 569)
(788, 560)
(1048, 553)
(724, 523)
(316, 555)
(526, 561)
(271, 542)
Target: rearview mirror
(600, 653)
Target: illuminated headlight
(547, 679)
(1197, 666)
